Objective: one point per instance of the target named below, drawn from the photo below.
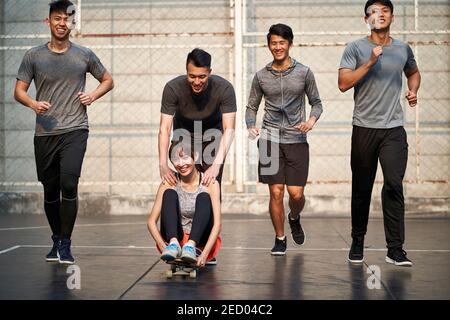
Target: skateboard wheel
(193, 274)
(169, 274)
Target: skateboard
(179, 267)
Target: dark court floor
(117, 260)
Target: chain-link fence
(144, 44)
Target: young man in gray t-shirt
(58, 69)
(373, 66)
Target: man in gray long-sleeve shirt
(283, 148)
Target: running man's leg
(47, 166)
(72, 149)
(271, 171)
(296, 168)
(46, 151)
(393, 160)
(296, 205)
(69, 204)
(52, 203)
(276, 208)
(296, 201)
(364, 161)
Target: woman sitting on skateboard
(190, 212)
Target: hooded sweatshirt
(284, 95)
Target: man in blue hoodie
(283, 147)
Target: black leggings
(202, 222)
(61, 204)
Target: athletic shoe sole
(188, 259)
(355, 261)
(167, 257)
(401, 264)
(278, 253)
(51, 259)
(66, 262)
(296, 244)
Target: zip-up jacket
(284, 95)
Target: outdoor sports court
(117, 260)
(143, 43)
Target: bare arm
(165, 128)
(155, 213)
(106, 85)
(348, 77)
(228, 123)
(414, 79)
(21, 96)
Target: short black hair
(281, 30)
(185, 143)
(386, 3)
(199, 58)
(61, 6)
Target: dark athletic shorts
(292, 159)
(61, 153)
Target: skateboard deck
(179, 267)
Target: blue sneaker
(188, 254)
(171, 251)
(65, 256)
(53, 255)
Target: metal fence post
(238, 83)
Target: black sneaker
(356, 254)
(297, 233)
(397, 256)
(65, 256)
(53, 254)
(279, 249)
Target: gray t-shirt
(179, 101)
(377, 94)
(58, 78)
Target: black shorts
(61, 153)
(289, 167)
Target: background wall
(144, 44)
